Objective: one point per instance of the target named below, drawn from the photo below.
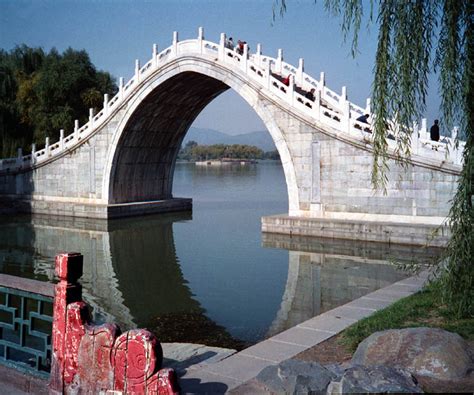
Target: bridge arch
(142, 154)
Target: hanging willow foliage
(407, 32)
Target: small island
(224, 155)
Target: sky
(116, 32)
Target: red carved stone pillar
(93, 359)
(68, 268)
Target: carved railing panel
(26, 319)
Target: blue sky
(115, 33)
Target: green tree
(192, 151)
(8, 113)
(409, 32)
(42, 93)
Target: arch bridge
(121, 162)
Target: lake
(209, 276)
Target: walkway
(237, 369)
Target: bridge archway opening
(153, 128)
(144, 160)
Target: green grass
(421, 309)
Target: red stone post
(68, 268)
(92, 359)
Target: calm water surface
(211, 270)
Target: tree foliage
(41, 93)
(416, 38)
(192, 151)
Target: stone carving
(92, 359)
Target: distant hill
(261, 139)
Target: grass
(421, 309)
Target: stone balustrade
(330, 109)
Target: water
(208, 276)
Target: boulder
(295, 377)
(421, 351)
(377, 379)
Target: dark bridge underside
(145, 157)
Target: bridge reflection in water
(132, 274)
(326, 273)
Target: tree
(41, 93)
(409, 32)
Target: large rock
(421, 351)
(377, 379)
(295, 377)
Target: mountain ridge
(260, 139)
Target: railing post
(317, 104)
(106, 104)
(346, 116)
(244, 59)
(457, 151)
(200, 38)
(61, 139)
(121, 87)
(322, 82)
(368, 107)
(268, 75)
(258, 55)
(137, 71)
(68, 268)
(76, 129)
(424, 130)
(291, 89)
(343, 100)
(344, 93)
(278, 66)
(175, 43)
(221, 53)
(46, 147)
(415, 138)
(91, 118)
(454, 134)
(33, 153)
(299, 72)
(154, 55)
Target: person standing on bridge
(363, 118)
(434, 131)
(240, 47)
(286, 80)
(310, 95)
(229, 43)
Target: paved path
(240, 367)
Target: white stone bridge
(122, 161)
